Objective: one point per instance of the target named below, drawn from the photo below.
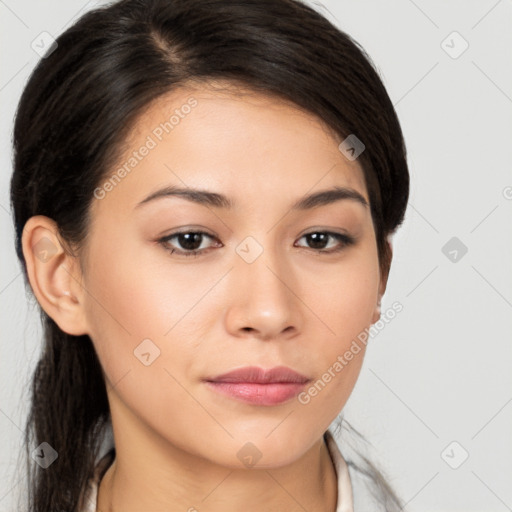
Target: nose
(264, 301)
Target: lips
(258, 386)
(256, 375)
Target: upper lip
(257, 375)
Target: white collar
(345, 501)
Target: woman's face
(272, 286)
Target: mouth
(258, 386)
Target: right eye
(191, 242)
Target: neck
(185, 482)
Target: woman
(204, 194)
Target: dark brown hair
(76, 111)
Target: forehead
(236, 140)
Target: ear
(54, 274)
(385, 266)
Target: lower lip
(259, 394)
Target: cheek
(144, 324)
(345, 296)
(134, 297)
(344, 302)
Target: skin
(176, 439)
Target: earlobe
(384, 274)
(54, 275)
(376, 313)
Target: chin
(263, 451)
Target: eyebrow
(208, 198)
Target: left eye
(319, 241)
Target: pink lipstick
(258, 386)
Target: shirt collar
(345, 498)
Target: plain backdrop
(435, 394)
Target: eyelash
(346, 241)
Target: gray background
(440, 371)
